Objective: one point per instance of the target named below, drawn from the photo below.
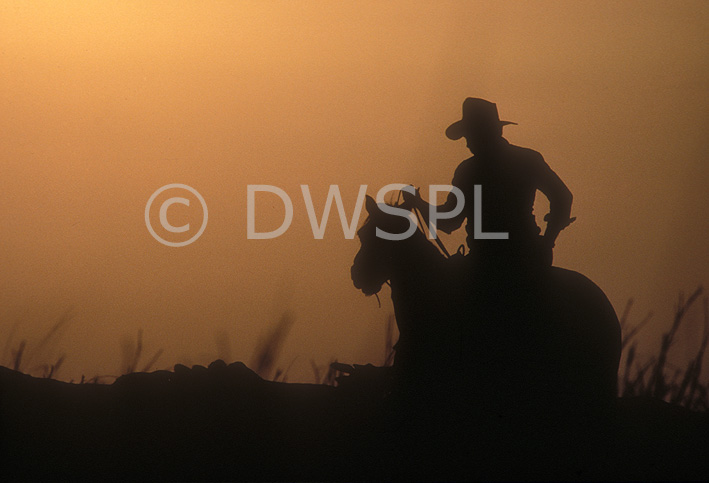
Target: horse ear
(370, 205)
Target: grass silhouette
(133, 353)
(655, 376)
(24, 357)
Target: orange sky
(105, 102)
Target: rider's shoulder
(528, 159)
(526, 153)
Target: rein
(440, 244)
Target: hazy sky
(105, 102)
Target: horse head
(372, 265)
(380, 259)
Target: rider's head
(480, 126)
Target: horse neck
(414, 258)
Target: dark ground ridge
(225, 423)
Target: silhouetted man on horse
(509, 177)
(497, 347)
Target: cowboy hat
(477, 113)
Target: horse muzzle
(367, 284)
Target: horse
(552, 337)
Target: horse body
(551, 337)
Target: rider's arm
(560, 200)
